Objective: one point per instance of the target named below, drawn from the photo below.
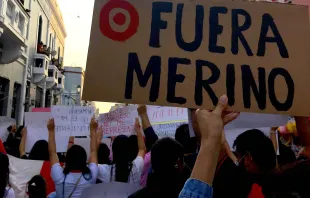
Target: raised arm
(141, 144)
(99, 136)
(52, 142)
(23, 142)
(150, 135)
(93, 158)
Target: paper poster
(110, 190)
(121, 121)
(189, 53)
(72, 120)
(85, 143)
(167, 130)
(5, 122)
(36, 123)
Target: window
(4, 92)
(50, 73)
(50, 41)
(59, 80)
(21, 23)
(58, 53)
(39, 63)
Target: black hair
(37, 187)
(76, 160)
(9, 128)
(4, 173)
(18, 133)
(259, 146)
(167, 176)
(165, 154)
(103, 154)
(121, 158)
(133, 146)
(39, 151)
(183, 137)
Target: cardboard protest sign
(72, 120)
(5, 122)
(189, 53)
(36, 123)
(163, 119)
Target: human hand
(24, 132)
(93, 125)
(71, 140)
(51, 125)
(142, 110)
(211, 123)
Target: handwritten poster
(121, 121)
(72, 120)
(189, 53)
(36, 123)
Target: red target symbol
(119, 19)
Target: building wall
(74, 76)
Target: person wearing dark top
(256, 162)
(166, 179)
(13, 141)
(189, 144)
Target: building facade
(73, 86)
(32, 41)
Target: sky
(77, 16)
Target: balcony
(13, 29)
(40, 68)
(52, 77)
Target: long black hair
(76, 161)
(37, 187)
(4, 173)
(121, 158)
(104, 154)
(39, 151)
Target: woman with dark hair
(13, 140)
(123, 168)
(103, 154)
(39, 150)
(76, 176)
(36, 187)
(5, 190)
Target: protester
(122, 169)
(39, 150)
(150, 139)
(5, 190)
(36, 187)
(211, 125)
(76, 176)
(13, 141)
(104, 154)
(166, 179)
(303, 128)
(189, 144)
(40, 48)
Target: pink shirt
(146, 168)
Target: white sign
(121, 121)
(36, 123)
(72, 120)
(5, 122)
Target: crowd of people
(203, 166)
